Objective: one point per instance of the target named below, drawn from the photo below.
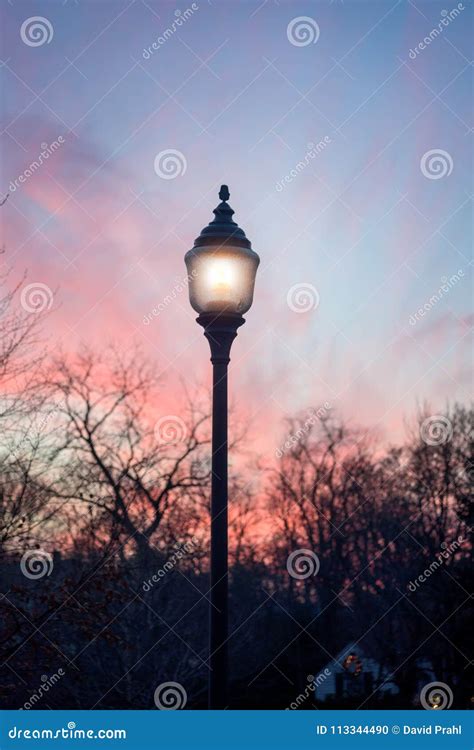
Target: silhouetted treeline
(104, 546)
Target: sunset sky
(368, 224)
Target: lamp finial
(224, 194)
(223, 229)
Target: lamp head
(222, 265)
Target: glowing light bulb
(220, 276)
(221, 281)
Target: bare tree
(138, 469)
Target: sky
(344, 131)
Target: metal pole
(220, 330)
(219, 544)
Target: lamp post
(221, 272)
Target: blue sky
(371, 225)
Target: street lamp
(221, 273)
